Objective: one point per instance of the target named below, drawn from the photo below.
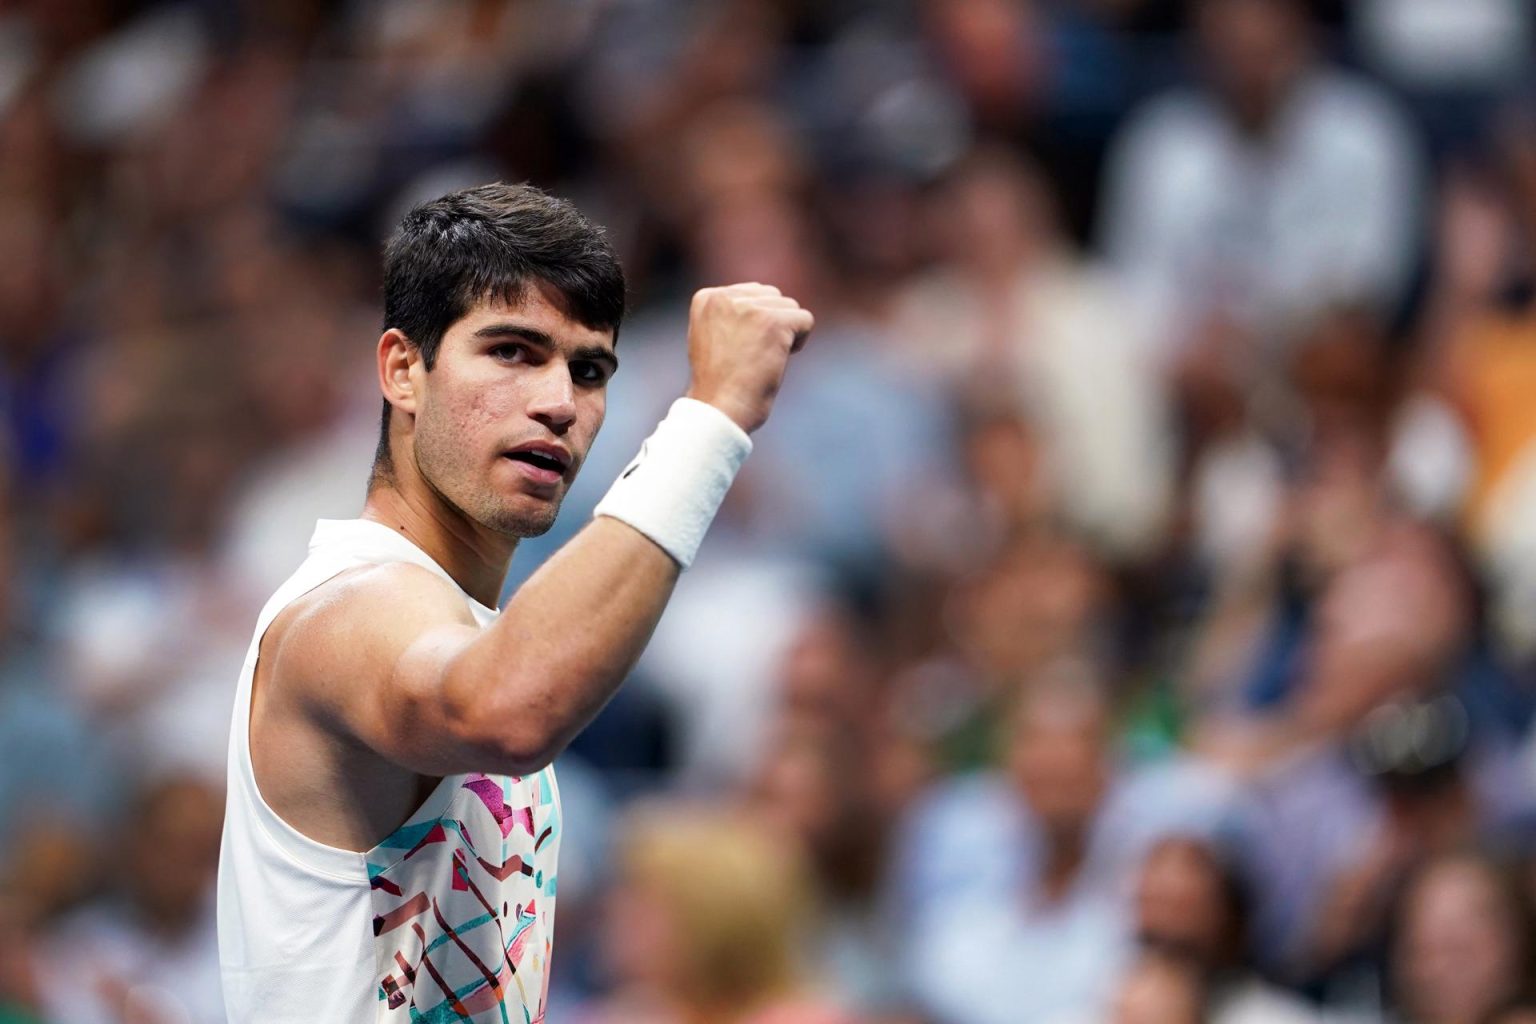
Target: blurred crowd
(1129, 614)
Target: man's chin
(523, 523)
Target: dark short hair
(488, 243)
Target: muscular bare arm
(389, 655)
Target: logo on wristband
(635, 464)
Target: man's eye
(507, 352)
(588, 373)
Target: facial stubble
(458, 485)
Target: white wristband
(673, 488)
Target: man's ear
(398, 360)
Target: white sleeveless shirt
(448, 919)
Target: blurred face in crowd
(1007, 461)
(1459, 953)
(796, 787)
(1037, 602)
(994, 50)
(740, 149)
(49, 867)
(993, 216)
(173, 851)
(1254, 49)
(500, 425)
(1180, 902)
(760, 237)
(1060, 756)
(829, 672)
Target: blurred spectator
(1481, 322)
(996, 54)
(715, 658)
(1370, 634)
(811, 787)
(1020, 876)
(1010, 317)
(47, 869)
(1462, 949)
(145, 645)
(147, 951)
(1040, 606)
(862, 436)
(1279, 188)
(1408, 787)
(1361, 605)
(1192, 901)
(859, 447)
(708, 920)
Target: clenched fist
(739, 340)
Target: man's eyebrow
(534, 336)
(529, 334)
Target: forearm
(563, 643)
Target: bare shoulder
(353, 628)
(387, 593)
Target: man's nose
(553, 402)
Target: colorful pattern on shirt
(464, 905)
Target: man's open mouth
(546, 458)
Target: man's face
(1180, 902)
(506, 415)
(1060, 760)
(1255, 49)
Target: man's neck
(1066, 851)
(476, 558)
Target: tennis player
(393, 824)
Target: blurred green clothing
(12, 1014)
